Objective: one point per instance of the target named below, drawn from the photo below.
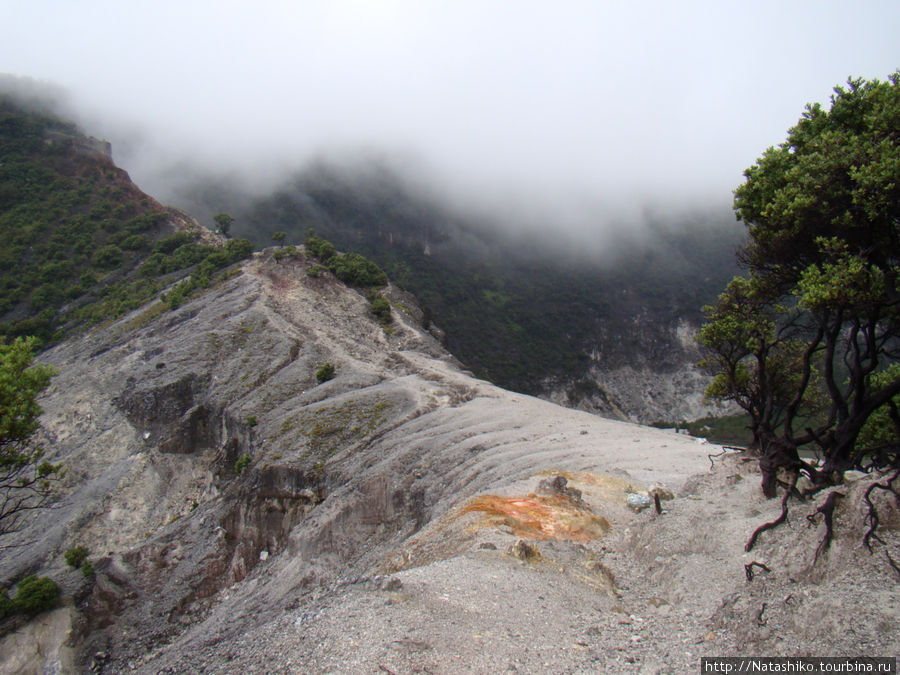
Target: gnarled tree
(25, 479)
(807, 343)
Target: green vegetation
(7, 606)
(351, 268)
(209, 259)
(330, 429)
(223, 223)
(324, 373)
(36, 595)
(251, 421)
(516, 311)
(76, 556)
(25, 480)
(380, 307)
(288, 252)
(807, 342)
(728, 430)
(242, 463)
(79, 243)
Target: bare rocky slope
(401, 517)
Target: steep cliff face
(664, 385)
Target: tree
(807, 343)
(279, 238)
(223, 221)
(25, 480)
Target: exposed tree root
(892, 563)
(748, 569)
(725, 449)
(712, 457)
(827, 511)
(872, 515)
(779, 520)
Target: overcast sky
(592, 104)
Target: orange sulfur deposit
(540, 516)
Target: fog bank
(583, 114)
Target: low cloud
(584, 115)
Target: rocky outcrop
(667, 388)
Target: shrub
(381, 308)
(135, 242)
(319, 248)
(251, 421)
(324, 373)
(87, 569)
(355, 270)
(285, 252)
(238, 249)
(76, 556)
(36, 594)
(242, 463)
(107, 257)
(172, 242)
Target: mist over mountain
(524, 308)
(265, 474)
(581, 118)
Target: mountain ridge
(402, 500)
(241, 511)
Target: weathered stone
(523, 550)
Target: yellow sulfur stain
(611, 488)
(539, 516)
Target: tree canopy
(25, 479)
(807, 341)
(224, 222)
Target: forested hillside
(79, 242)
(520, 311)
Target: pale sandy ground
(653, 595)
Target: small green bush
(319, 248)
(355, 270)
(107, 257)
(36, 594)
(238, 249)
(74, 557)
(87, 569)
(324, 373)
(381, 308)
(285, 252)
(251, 421)
(315, 271)
(242, 463)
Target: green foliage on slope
(351, 268)
(25, 477)
(79, 243)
